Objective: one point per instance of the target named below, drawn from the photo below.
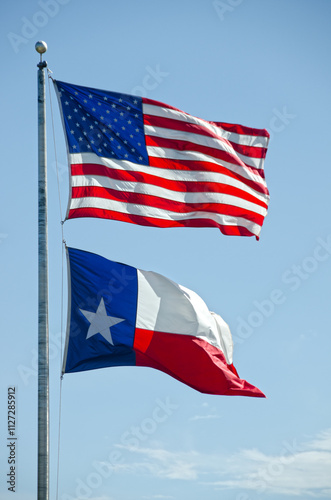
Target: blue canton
(106, 123)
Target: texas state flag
(122, 316)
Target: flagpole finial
(41, 48)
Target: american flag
(136, 160)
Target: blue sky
(263, 64)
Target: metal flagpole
(43, 348)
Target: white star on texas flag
(100, 322)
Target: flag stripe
(230, 226)
(192, 361)
(158, 126)
(192, 192)
(158, 215)
(163, 303)
(195, 166)
(227, 204)
(97, 174)
(215, 148)
(261, 134)
(239, 133)
(195, 170)
(170, 207)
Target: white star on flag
(100, 322)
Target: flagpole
(43, 345)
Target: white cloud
(323, 441)
(297, 470)
(162, 463)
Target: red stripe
(160, 104)
(192, 361)
(229, 127)
(164, 204)
(190, 165)
(192, 146)
(177, 186)
(251, 151)
(241, 130)
(194, 128)
(188, 127)
(204, 166)
(155, 222)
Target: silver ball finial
(41, 47)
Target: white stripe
(158, 213)
(174, 154)
(176, 175)
(179, 176)
(180, 135)
(206, 141)
(243, 139)
(167, 194)
(165, 306)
